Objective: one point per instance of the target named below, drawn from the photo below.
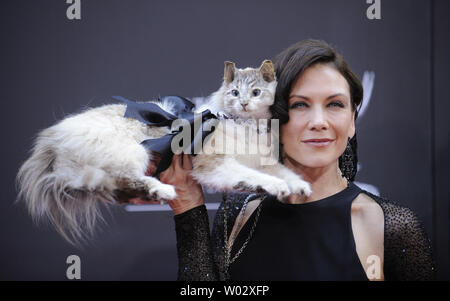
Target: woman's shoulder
(407, 249)
(402, 226)
(395, 215)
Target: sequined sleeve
(407, 249)
(195, 258)
(201, 255)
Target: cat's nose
(244, 105)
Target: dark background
(51, 66)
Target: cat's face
(248, 93)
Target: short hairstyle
(294, 60)
(290, 64)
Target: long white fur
(78, 163)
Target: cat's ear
(267, 71)
(228, 74)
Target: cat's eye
(256, 92)
(235, 92)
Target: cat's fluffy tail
(73, 212)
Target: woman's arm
(408, 252)
(200, 255)
(194, 249)
(195, 259)
(195, 255)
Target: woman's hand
(189, 192)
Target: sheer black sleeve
(195, 258)
(201, 255)
(407, 250)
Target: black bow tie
(152, 115)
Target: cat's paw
(298, 186)
(245, 187)
(278, 188)
(163, 192)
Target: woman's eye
(336, 104)
(299, 105)
(256, 92)
(235, 92)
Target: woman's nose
(318, 120)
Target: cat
(87, 158)
(245, 97)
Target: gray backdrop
(52, 66)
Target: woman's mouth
(318, 142)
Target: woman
(339, 232)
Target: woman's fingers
(177, 161)
(182, 162)
(155, 158)
(187, 162)
(169, 173)
(189, 192)
(142, 201)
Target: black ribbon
(152, 115)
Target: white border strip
(165, 207)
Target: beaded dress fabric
(202, 255)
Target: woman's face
(320, 118)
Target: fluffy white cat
(87, 158)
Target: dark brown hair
(290, 64)
(294, 60)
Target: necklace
(228, 244)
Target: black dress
(310, 241)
